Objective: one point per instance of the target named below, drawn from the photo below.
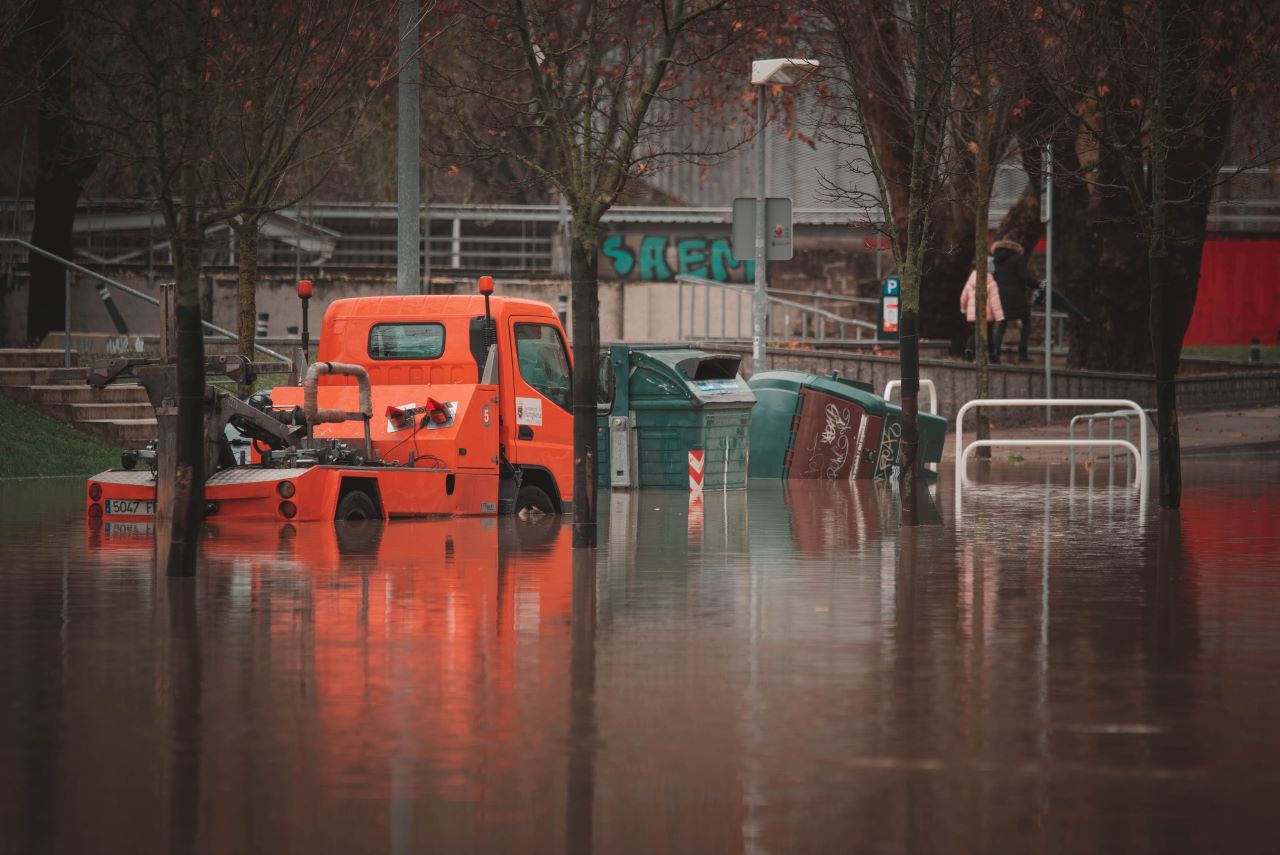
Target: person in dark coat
(1014, 282)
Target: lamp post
(766, 73)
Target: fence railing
(695, 310)
(1139, 452)
(71, 266)
(1110, 417)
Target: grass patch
(1232, 352)
(32, 444)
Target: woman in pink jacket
(995, 314)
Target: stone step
(75, 394)
(123, 433)
(42, 376)
(24, 357)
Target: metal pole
(408, 208)
(1111, 456)
(679, 310)
(424, 217)
(17, 185)
(151, 248)
(297, 243)
(66, 319)
(706, 311)
(1046, 214)
(758, 358)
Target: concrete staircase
(118, 415)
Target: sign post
(1046, 217)
(890, 308)
(762, 230)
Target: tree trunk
(586, 349)
(187, 238)
(188, 488)
(981, 343)
(63, 167)
(1166, 343)
(946, 267)
(247, 288)
(908, 447)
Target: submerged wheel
(533, 500)
(356, 505)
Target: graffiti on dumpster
(831, 439)
(659, 258)
(888, 460)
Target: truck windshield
(543, 362)
(406, 341)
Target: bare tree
(1144, 95)
(288, 88)
(153, 102)
(43, 66)
(984, 98)
(898, 68)
(596, 84)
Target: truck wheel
(531, 501)
(356, 505)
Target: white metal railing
(925, 383)
(1110, 417)
(816, 324)
(1139, 452)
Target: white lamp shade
(781, 72)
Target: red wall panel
(1239, 295)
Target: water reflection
(773, 670)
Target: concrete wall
(629, 311)
(956, 382)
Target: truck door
(541, 409)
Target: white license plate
(129, 529)
(130, 508)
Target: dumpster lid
(841, 387)
(702, 377)
(710, 366)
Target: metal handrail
(1045, 443)
(925, 383)
(1090, 418)
(1140, 451)
(822, 315)
(132, 292)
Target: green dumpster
(665, 408)
(821, 426)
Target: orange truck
(416, 406)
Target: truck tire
(533, 500)
(355, 506)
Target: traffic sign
(890, 306)
(778, 228)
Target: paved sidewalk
(1250, 431)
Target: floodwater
(773, 671)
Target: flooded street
(769, 671)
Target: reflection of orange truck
(416, 406)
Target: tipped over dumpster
(815, 426)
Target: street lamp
(766, 73)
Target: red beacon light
(304, 289)
(486, 285)
(436, 411)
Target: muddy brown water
(774, 671)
